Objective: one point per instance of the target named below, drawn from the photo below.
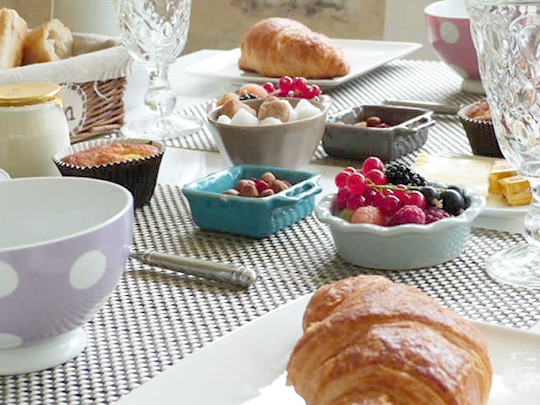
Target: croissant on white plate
(368, 340)
(277, 47)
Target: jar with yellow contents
(33, 127)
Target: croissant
(277, 47)
(368, 340)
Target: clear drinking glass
(507, 39)
(155, 34)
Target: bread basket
(94, 81)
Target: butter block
(516, 190)
(500, 169)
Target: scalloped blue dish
(255, 217)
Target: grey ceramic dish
(289, 145)
(408, 131)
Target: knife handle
(439, 108)
(229, 273)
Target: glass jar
(33, 127)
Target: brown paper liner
(139, 176)
(481, 134)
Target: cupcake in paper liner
(476, 120)
(132, 163)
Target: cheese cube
(516, 190)
(499, 170)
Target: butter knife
(438, 108)
(242, 276)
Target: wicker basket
(105, 109)
(94, 81)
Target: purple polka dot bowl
(448, 29)
(64, 242)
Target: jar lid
(20, 94)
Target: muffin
(476, 120)
(132, 163)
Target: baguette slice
(13, 30)
(49, 42)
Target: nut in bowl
(383, 131)
(132, 163)
(237, 200)
(391, 218)
(63, 256)
(285, 133)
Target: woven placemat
(156, 317)
(400, 80)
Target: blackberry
(398, 173)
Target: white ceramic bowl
(400, 247)
(64, 242)
(290, 145)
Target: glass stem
(159, 97)
(532, 218)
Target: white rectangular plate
(471, 171)
(363, 56)
(247, 366)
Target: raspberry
(434, 214)
(368, 215)
(409, 214)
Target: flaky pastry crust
(277, 47)
(368, 340)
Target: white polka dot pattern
(9, 280)
(88, 270)
(449, 32)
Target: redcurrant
(341, 179)
(376, 176)
(373, 162)
(285, 84)
(356, 183)
(269, 87)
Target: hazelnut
(249, 190)
(274, 107)
(231, 107)
(361, 124)
(232, 191)
(268, 177)
(278, 185)
(243, 183)
(373, 121)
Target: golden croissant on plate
(368, 340)
(277, 47)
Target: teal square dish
(255, 217)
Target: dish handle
(296, 193)
(420, 124)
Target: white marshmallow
(304, 109)
(224, 119)
(244, 118)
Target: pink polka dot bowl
(448, 29)
(64, 242)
